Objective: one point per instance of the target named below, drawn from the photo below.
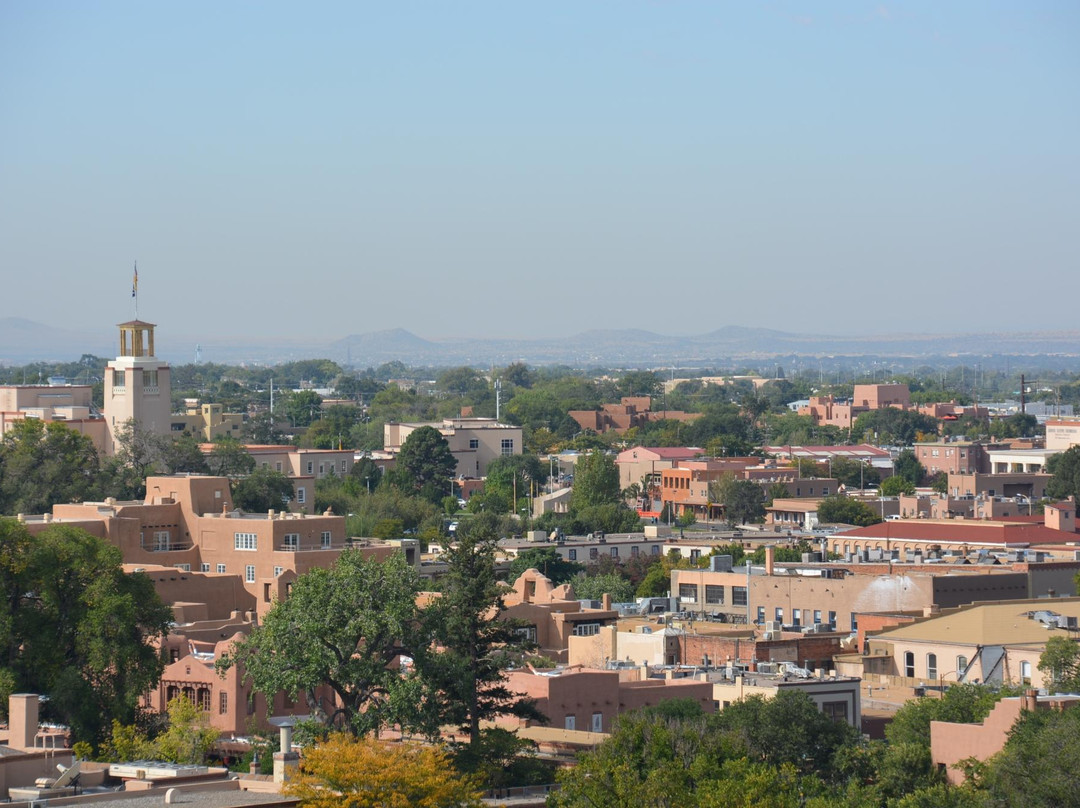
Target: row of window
(961, 667)
(799, 615)
(594, 552)
(714, 594)
(597, 724)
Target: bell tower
(137, 385)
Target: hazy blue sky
(516, 169)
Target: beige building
(980, 642)
(137, 385)
(69, 404)
(1062, 434)
(207, 422)
(474, 442)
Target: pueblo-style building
(189, 523)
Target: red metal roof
(958, 531)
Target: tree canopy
(75, 627)
(425, 456)
(342, 627)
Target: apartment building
(474, 442)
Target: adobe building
(474, 442)
(591, 700)
(952, 457)
(952, 743)
(189, 522)
(551, 615)
(631, 411)
(644, 462)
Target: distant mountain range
(23, 341)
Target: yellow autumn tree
(348, 772)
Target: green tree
(846, 511)
(301, 408)
(854, 473)
(42, 464)
(908, 467)
(594, 587)
(425, 456)
(77, 628)
(342, 627)
(262, 490)
(367, 474)
(1065, 468)
(596, 481)
(229, 458)
(896, 485)
(1060, 661)
(962, 703)
(548, 561)
(745, 503)
(640, 383)
(464, 680)
(182, 455)
(891, 425)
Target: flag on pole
(135, 281)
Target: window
(507, 446)
(634, 550)
(597, 722)
(573, 555)
(1025, 672)
(528, 632)
(249, 573)
(150, 379)
(614, 552)
(714, 594)
(301, 495)
(655, 549)
(221, 569)
(688, 593)
(760, 614)
(586, 629)
(310, 467)
(854, 622)
(326, 539)
(817, 616)
(245, 541)
(836, 710)
(278, 571)
(161, 540)
(796, 616)
(569, 721)
(277, 466)
(203, 698)
(290, 541)
(832, 619)
(118, 381)
(342, 466)
(778, 614)
(593, 553)
(223, 702)
(961, 666)
(909, 664)
(204, 568)
(931, 666)
(738, 596)
(824, 490)
(474, 443)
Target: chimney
(605, 602)
(22, 721)
(1031, 700)
(286, 760)
(270, 514)
(770, 559)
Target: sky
(518, 170)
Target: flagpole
(135, 289)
